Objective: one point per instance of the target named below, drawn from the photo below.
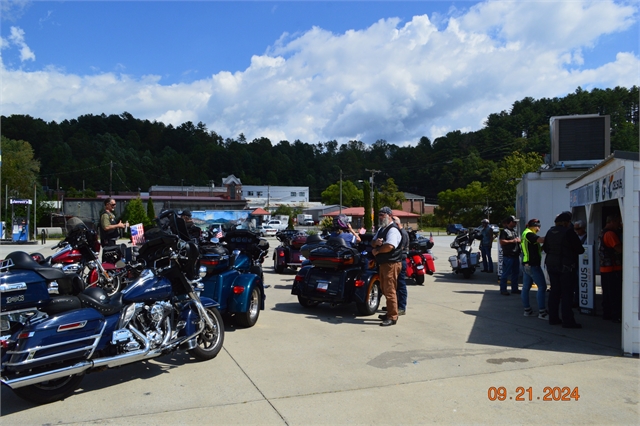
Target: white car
(266, 230)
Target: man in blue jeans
(532, 261)
(510, 243)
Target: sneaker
(528, 312)
(543, 315)
(401, 312)
(516, 292)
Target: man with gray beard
(387, 250)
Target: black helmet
(97, 294)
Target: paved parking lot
(459, 341)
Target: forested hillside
(145, 153)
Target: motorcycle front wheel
(211, 339)
(370, 306)
(51, 390)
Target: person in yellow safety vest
(533, 273)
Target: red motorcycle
(79, 254)
(419, 260)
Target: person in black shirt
(562, 246)
(510, 243)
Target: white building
(610, 187)
(267, 196)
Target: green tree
(19, 168)
(390, 195)
(376, 205)
(134, 213)
(463, 205)
(151, 212)
(351, 195)
(504, 181)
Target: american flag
(431, 236)
(219, 234)
(137, 234)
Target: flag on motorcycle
(431, 236)
(137, 234)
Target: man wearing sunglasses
(109, 228)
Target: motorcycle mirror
(120, 264)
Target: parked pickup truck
(279, 225)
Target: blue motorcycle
(52, 335)
(234, 274)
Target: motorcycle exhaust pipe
(21, 382)
(128, 358)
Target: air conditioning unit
(580, 140)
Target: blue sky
(313, 71)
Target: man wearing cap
(563, 247)
(486, 242)
(510, 243)
(387, 250)
(194, 231)
(532, 271)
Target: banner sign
(608, 187)
(586, 288)
(22, 202)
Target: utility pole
(373, 172)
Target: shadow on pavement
(499, 321)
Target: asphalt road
(459, 346)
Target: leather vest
(608, 256)
(394, 255)
(109, 236)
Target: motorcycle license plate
(420, 267)
(322, 286)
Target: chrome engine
(151, 321)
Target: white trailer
(542, 195)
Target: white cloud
(389, 81)
(16, 38)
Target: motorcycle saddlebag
(334, 257)
(58, 338)
(453, 260)
(430, 265)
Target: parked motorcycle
(78, 253)
(49, 342)
(339, 274)
(234, 275)
(287, 254)
(419, 260)
(465, 261)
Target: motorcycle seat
(22, 260)
(336, 242)
(98, 300)
(60, 304)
